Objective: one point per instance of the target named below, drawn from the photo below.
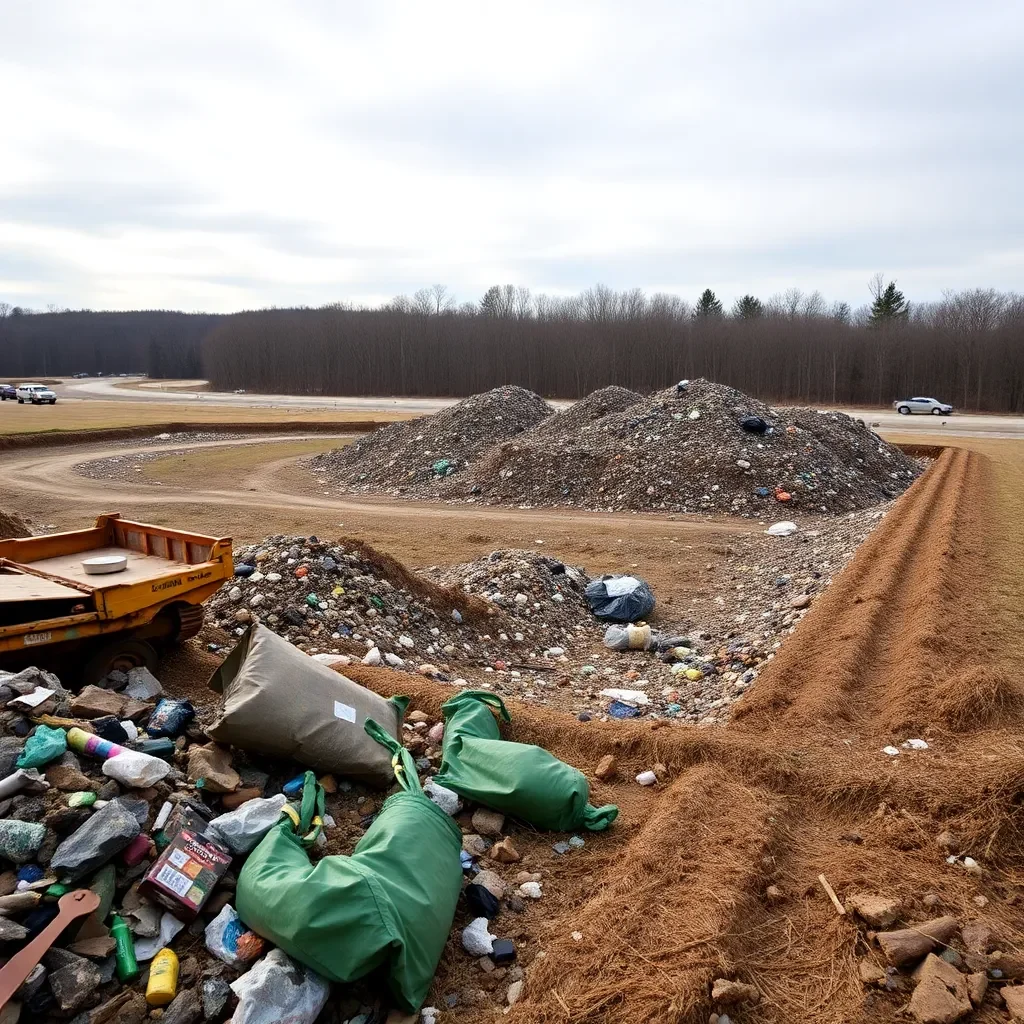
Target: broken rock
(941, 993)
(143, 685)
(877, 911)
(105, 834)
(210, 768)
(606, 768)
(94, 702)
(1013, 996)
(909, 944)
(504, 852)
(488, 823)
(977, 987)
(73, 983)
(731, 993)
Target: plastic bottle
(162, 747)
(124, 950)
(163, 978)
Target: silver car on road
(931, 405)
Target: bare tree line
(796, 347)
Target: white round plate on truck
(104, 564)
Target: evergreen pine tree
(889, 306)
(708, 305)
(747, 308)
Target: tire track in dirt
(874, 651)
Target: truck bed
(140, 566)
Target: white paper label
(179, 858)
(344, 712)
(174, 880)
(37, 638)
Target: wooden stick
(831, 894)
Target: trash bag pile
(248, 864)
(705, 448)
(416, 454)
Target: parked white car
(36, 394)
(931, 405)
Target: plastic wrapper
(241, 830)
(132, 768)
(279, 989)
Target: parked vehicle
(36, 394)
(78, 376)
(8, 391)
(59, 599)
(907, 406)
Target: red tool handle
(19, 967)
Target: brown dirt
(64, 438)
(11, 526)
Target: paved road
(888, 420)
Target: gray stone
(185, 1008)
(73, 983)
(105, 834)
(11, 931)
(216, 993)
(143, 685)
(138, 809)
(10, 750)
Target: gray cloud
(248, 154)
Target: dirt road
(959, 425)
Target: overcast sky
(217, 156)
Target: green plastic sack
(392, 902)
(42, 747)
(519, 779)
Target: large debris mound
(686, 450)
(580, 415)
(11, 526)
(419, 453)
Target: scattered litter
(891, 751)
(620, 598)
(782, 529)
(627, 696)
(914, 745)
(647, 778)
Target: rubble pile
(418, 454)
(580, 415)
(697, 448)
(11, 526)
(350, 599)
(162, 859)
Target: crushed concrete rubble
(704, 448)
(418, 454)
(518, 620)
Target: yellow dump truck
(95, 600)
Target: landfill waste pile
(416, 455)
(593, 407)
(701, 447)
(184, 878)
(347, 598)
(11, 526)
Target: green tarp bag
(524, 781)
(390, 904)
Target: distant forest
(967, 349)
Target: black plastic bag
(620, 598)
(753, 425)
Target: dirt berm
(906, 643)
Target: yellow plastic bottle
(163, 978)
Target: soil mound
(419, 453)
(11, 526)
(703, 448)
(584, 412)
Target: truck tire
(190, 621)
(120, 653)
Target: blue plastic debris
(577, 842)
(619, 710)
(294, 786)
(30, 873)
(561, 848)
